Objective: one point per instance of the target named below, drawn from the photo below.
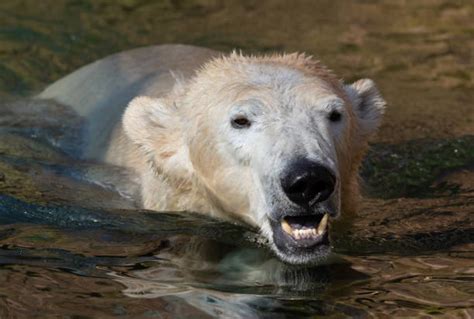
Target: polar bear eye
(335, 116)
(240, 122)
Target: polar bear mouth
(306, 231)
(303, 239)
(305, 227)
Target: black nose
(307, 183)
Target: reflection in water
(72, 243)
(402, 286)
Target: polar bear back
(100, 91)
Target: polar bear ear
(154, 126)
(369, 106)
(145, 119)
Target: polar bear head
(275, 141)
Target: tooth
(296, 234)
(323, 224)
(286, 227)
(313, 232)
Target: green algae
(410, 169)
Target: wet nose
(307, 182)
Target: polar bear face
(274, 141)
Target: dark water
(72, 245)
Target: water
(72, 246)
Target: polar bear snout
(307, 183)
(301, 211)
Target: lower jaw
(312, 256)
(306, 254)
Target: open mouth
(306, 231)
(302, 239)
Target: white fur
(236, 173)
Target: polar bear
(274, 141)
